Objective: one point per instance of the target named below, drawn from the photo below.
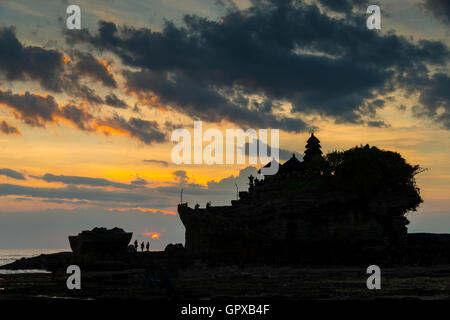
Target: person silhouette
(142, 246)
(148, 246)
(135, 245)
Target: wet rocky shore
(422, 271)
(228, 282)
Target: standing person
(142, 246)
(135, 245)
(148, 246)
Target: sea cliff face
(298, 226)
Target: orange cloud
(147, 98)
(8, 129)
(108, 130)
(144, 210)
(104, 63)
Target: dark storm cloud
(283, 153)
(139, 182)
(344, 6)
(199, 101)
(435, 99)
(12, 174)
(74, 193)
(80, 91)
(51, 69)
(280, 50)
(65, 201)
(440, 9)
(188, 189)
(145, 131)
(85, 64)
(377, 124)
(158, 162)
(87, 181)
(229, 183)
(113, 101)
(35, 110)
(78, 116)
(230, 5)
(20, 62)
(180, 176)
(182, 182)
(6, 128)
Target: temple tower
(313, 149)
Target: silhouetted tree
(370, 172)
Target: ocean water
(11, 255)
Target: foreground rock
(262, 282)
(49, 262)
(100, 241)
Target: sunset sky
(86, 115)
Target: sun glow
(153, 235)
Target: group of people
(147, 246)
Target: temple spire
(313, 148)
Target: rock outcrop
(100, 242)
(305, 214)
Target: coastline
(231, 282)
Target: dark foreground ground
(263, 282)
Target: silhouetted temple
(287, 217)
